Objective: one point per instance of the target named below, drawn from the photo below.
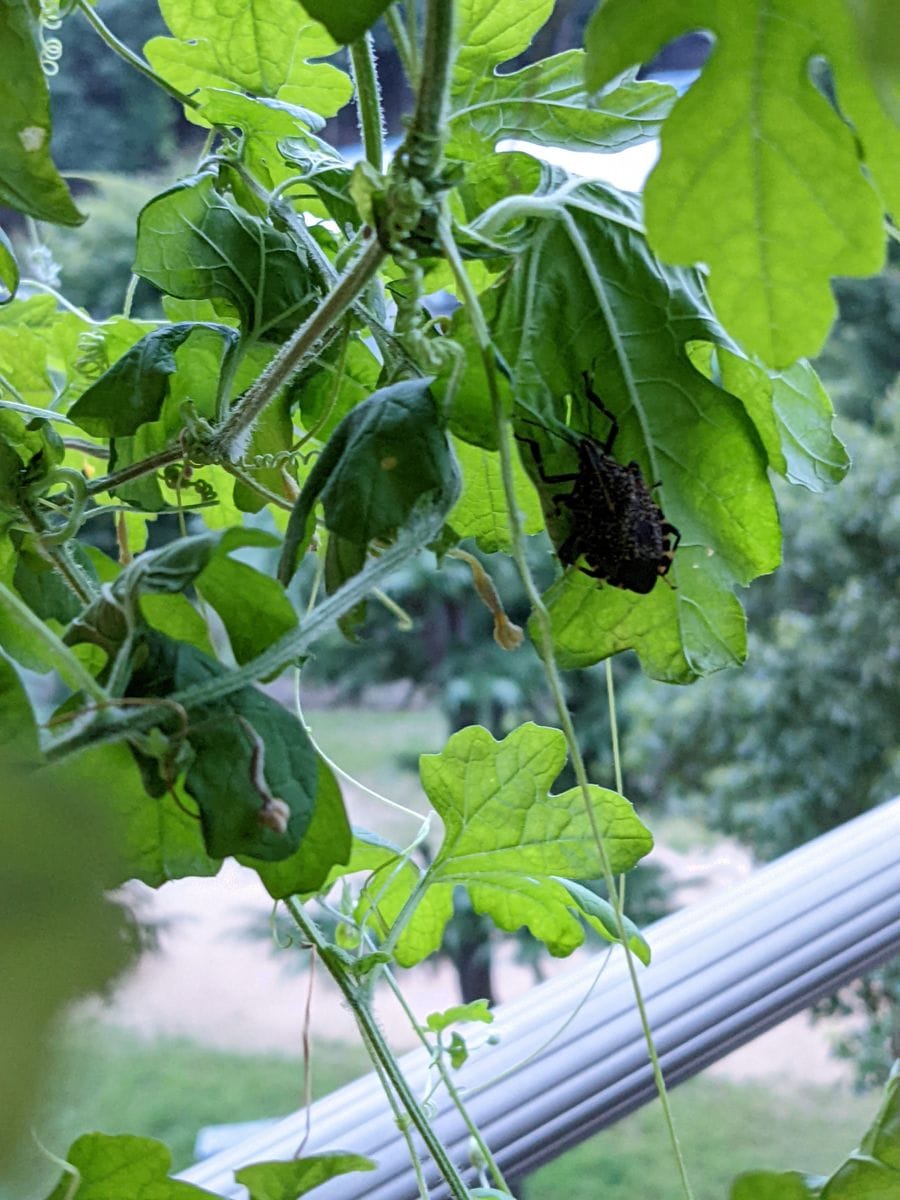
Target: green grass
(107, 1080)
(725, 1128)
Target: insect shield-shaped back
(606, 519)
(387, 456)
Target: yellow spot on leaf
(388, 463)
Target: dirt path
(214, 982)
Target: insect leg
(598, 403)
(538, 456)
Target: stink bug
(614, 525)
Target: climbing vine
(301, 394)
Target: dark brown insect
(614, 524)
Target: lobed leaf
(628, 322)
(262, 46)
(546, 103)
(480, 511)
(122, 1167)
(789, 190)
(506, 839)
(289, 1180)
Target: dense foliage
(299, 399)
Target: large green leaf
(122, 1167)
(506, 838)
(628, 322)
(480, 512)
(780, 193)
(196, 243)
(289, 1180)
(261, 46)
(135, 387)
(546, 103)
(159, 838)
(29, 182)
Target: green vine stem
(155, 462)
(133, 60)
(379, 1048)
(422, 150)
(422, 529)
(230, 438)
(545, 650)
(65, 662)
(59, 556)
(401, 41)
(368, 99)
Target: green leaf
(506, 838)
(627, 322)
(9, 269)
(175, 616)
(775, 200)
(387, 456)
(475, 1010)
(325, 851)
(346, 22)
(480, 511)
(775, 1185)
(197, 243)
(29, 182)
(134, 389)
(251, 759)
(288, 1180)
(122, 1167)
(882, 1139)
(261, 46)
(159, 839)
(254, 608)
(791, 410)
(679, 636)
(601, 916)
(494, 31)
(546, 103)
(59, 942)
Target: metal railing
(723, 972)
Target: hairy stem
(233, 431)
(421, 530)
(146, 466)
(368, 99)
(379, 1048)
(422, 150)
(544, 646)
(402, 43)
